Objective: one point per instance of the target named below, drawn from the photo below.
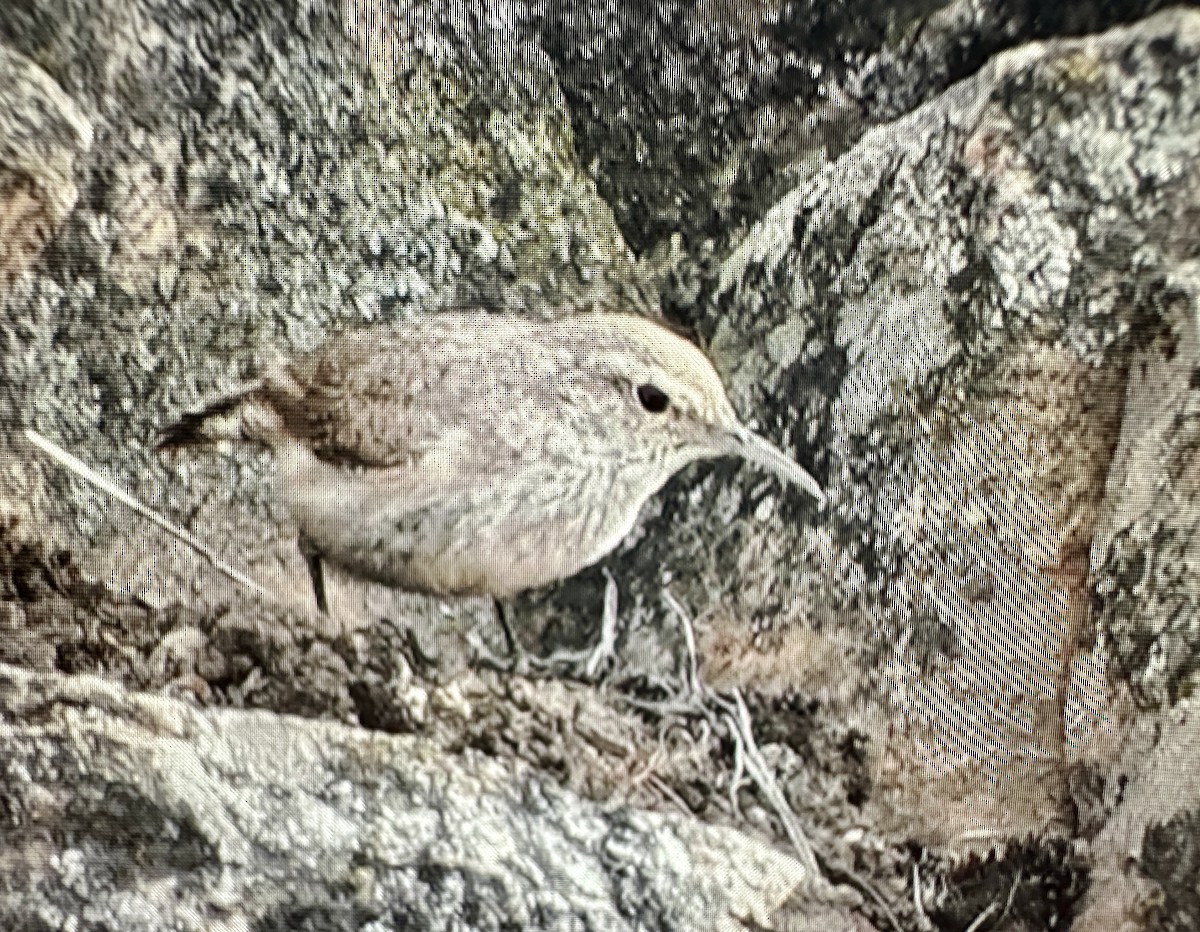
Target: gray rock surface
(945, 254)
(171, 817)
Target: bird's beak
(745, 443)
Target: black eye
(653, 398)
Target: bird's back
(474, 383)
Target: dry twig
(93, 478)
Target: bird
(473, 453)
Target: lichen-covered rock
(988, 310)
(949, 268)
(43, 134)
(170, 817)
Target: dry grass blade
(93, 478)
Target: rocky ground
(945, 254)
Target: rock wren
(472, 453)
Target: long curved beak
(749, 445)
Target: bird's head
(668, 396)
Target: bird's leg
(316, 573)
(517, 662)
(596, 658)
(518, 657)
(510, 636)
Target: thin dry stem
(93, 478)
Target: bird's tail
(220, 418)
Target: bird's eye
(653, 398)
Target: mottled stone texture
(945, 254)
(320, 825)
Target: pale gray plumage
(477, 453)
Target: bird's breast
(433, 528)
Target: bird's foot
(517, 663)
(521, 662)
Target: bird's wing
(390, 397)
